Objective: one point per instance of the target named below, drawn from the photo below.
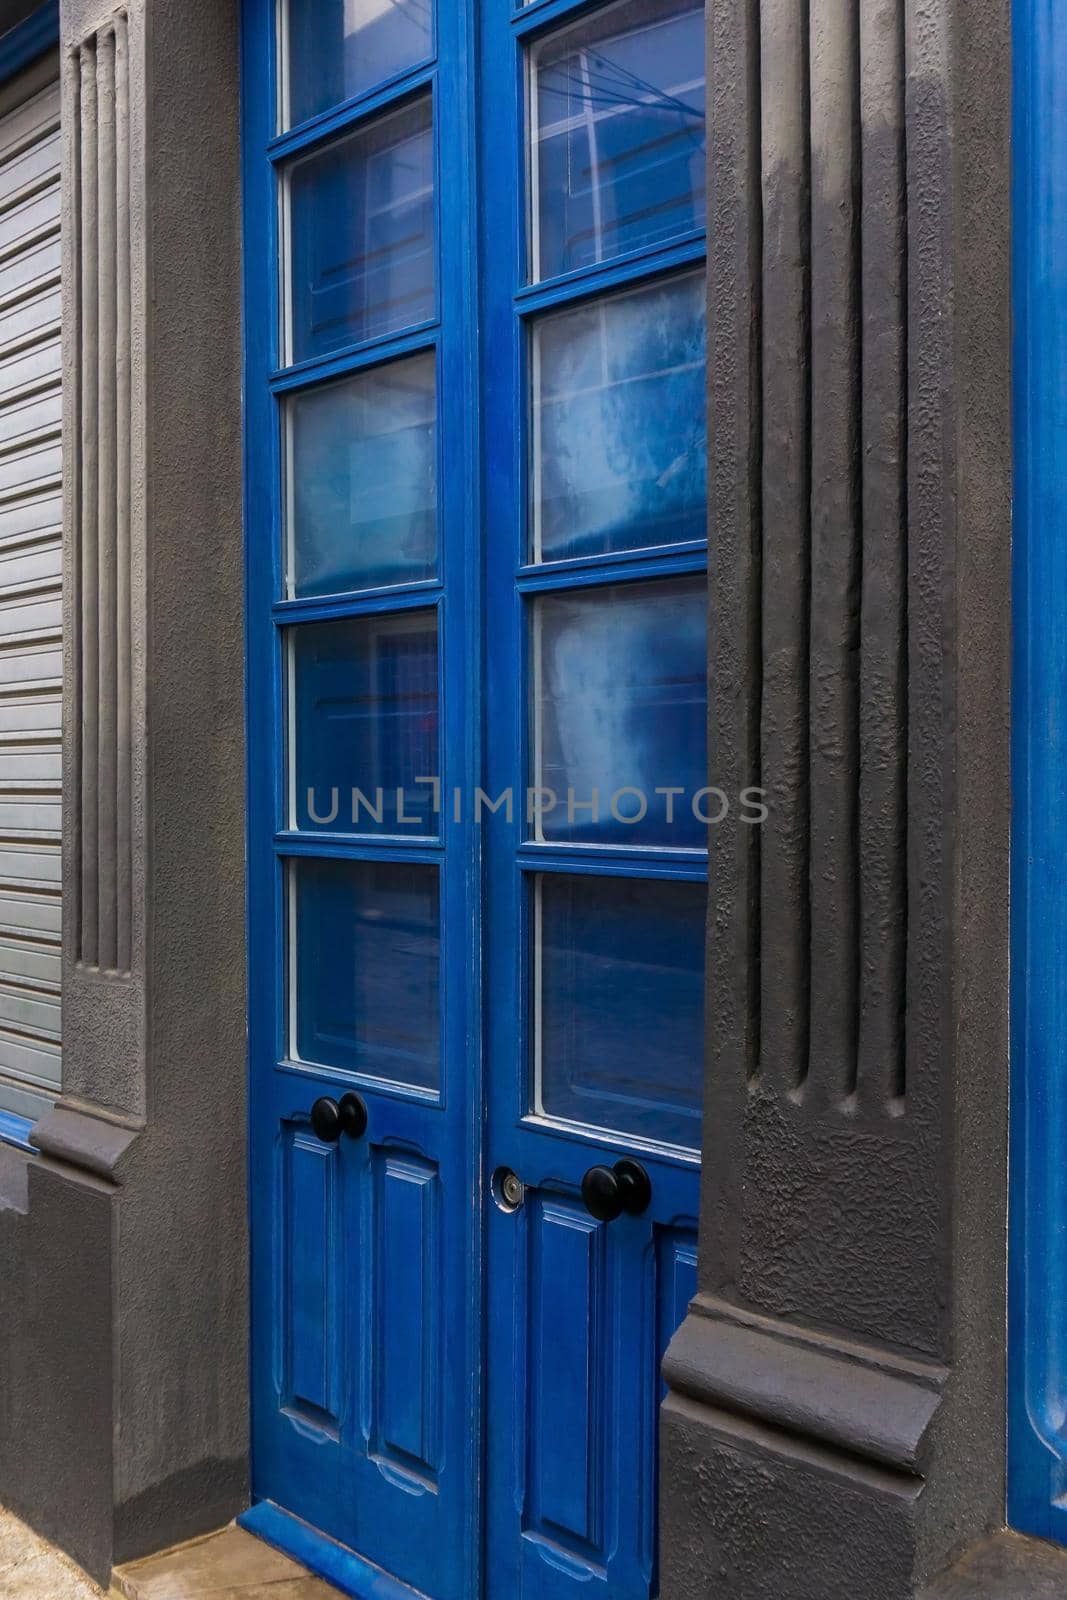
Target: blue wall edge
(16, 1130)
(1037, 1270)
(29, 39)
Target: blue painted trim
(16, 1130)
(389, 96)
(345, 1570)
(624, 567)
(613, 861)
(456, 594)
(529, 19)
(353, 357)
(29, 39)
(360, 602)
(1037, 1330)
(634, 266)
(413, 847)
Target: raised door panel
(311, 1323)
(405, 1320)
(405, 1490)
(567, 1358)
(303, 1413)
(575, 1393)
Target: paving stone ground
(229, 1565)
(31, 1569)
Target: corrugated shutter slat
(31, 664)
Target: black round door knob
(609, 1191)
(330, 1119)
(326, 1120)
(353, 1110)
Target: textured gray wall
(835, 1425)
(124, 1419)
(184, 1414)
(57, 1355)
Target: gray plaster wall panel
(133, 1369)
(182, 1457)
(752, 1512)
(855, 1111)
(57, 1355)
(969, 1489)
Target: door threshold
(334, 1562)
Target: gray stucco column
(125, 1367)
(835, 1419)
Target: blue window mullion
(539, 15)
(613, 862)
(621, 567)
(343, 118)
(419, 850)
(635, 266)
(358, 603)
(409, 1092)
(377, 352)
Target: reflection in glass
(361, 234)
(620, 1004)
(621, 712)
(363, 724)
(362, 459)
(619, 434)
(617, 130)
(340, 48)
(365, 965)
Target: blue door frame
(549, 1321)
(281, 1091)
(1037, 1336)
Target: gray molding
(99, 107)
(860, 1400)
(105, 558)
(81, 1137)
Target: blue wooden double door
(478, 814)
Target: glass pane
(361, 234)
(366, 958)
(621, 714)
(620, 1004)
(619, 435)
(363, 724)
(339, 48)
(363, 480)
(617, 129)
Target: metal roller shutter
(31, 656)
